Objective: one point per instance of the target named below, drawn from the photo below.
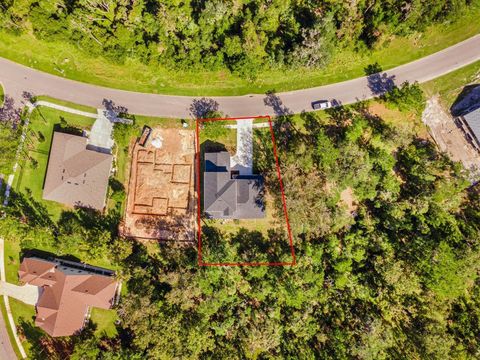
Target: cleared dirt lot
(449, 137)
(161, 200)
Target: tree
(406, 97)
(214, 129)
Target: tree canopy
(243, 36)
(386, 234)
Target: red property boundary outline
(199, 224)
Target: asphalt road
(18, 78)
(6, 348)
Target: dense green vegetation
(10, 130)
(386, 236)
(223, 48)
(2, 95)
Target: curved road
(18, 78)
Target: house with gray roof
(229, 195)
(471, 125)
(76, 174)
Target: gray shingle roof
(76, 176)
(225, 197)
(473, 121)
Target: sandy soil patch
(347, 197)
(449, 137)
(161, 200)
(403, 122)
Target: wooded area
(386, 228)
(386, 235)
(242, 36)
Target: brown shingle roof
(64, 302)
(76, 176)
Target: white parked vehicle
(321, 105)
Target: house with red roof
(68, 291)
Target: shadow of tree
(467, 101)
(111, 106)
(47, 255)
(28, 96)
(264, 161)
(252, 245)
(65, 128)
(379, 83)
(273, 100)
(115, 185)
(244, 246)
(141, 264)
(92, 219)
(177, 229)
(43, 346)
(214, 245)
(29, 210)
(375, 122)
(204, 108)
(9, 113)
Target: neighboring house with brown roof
(76, 175)
(69, 290)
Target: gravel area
(450, 138)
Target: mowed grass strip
(69, 104)
(2, 95)
(450, 85)
(69, 61)
(104, 321)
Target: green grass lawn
(104, 321)
(2, 95)
(229, 140)
(450, 85)
(69, 104)
(67, 60)
(9, 140)
(24, 318)
(31, 175)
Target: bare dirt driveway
(449, 137)
(18, 78)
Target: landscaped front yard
(29, 182)
(24, 315)
(34, 159)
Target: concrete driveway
(18, 78)
(28, 294)
(242, 161)
(100, 136)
